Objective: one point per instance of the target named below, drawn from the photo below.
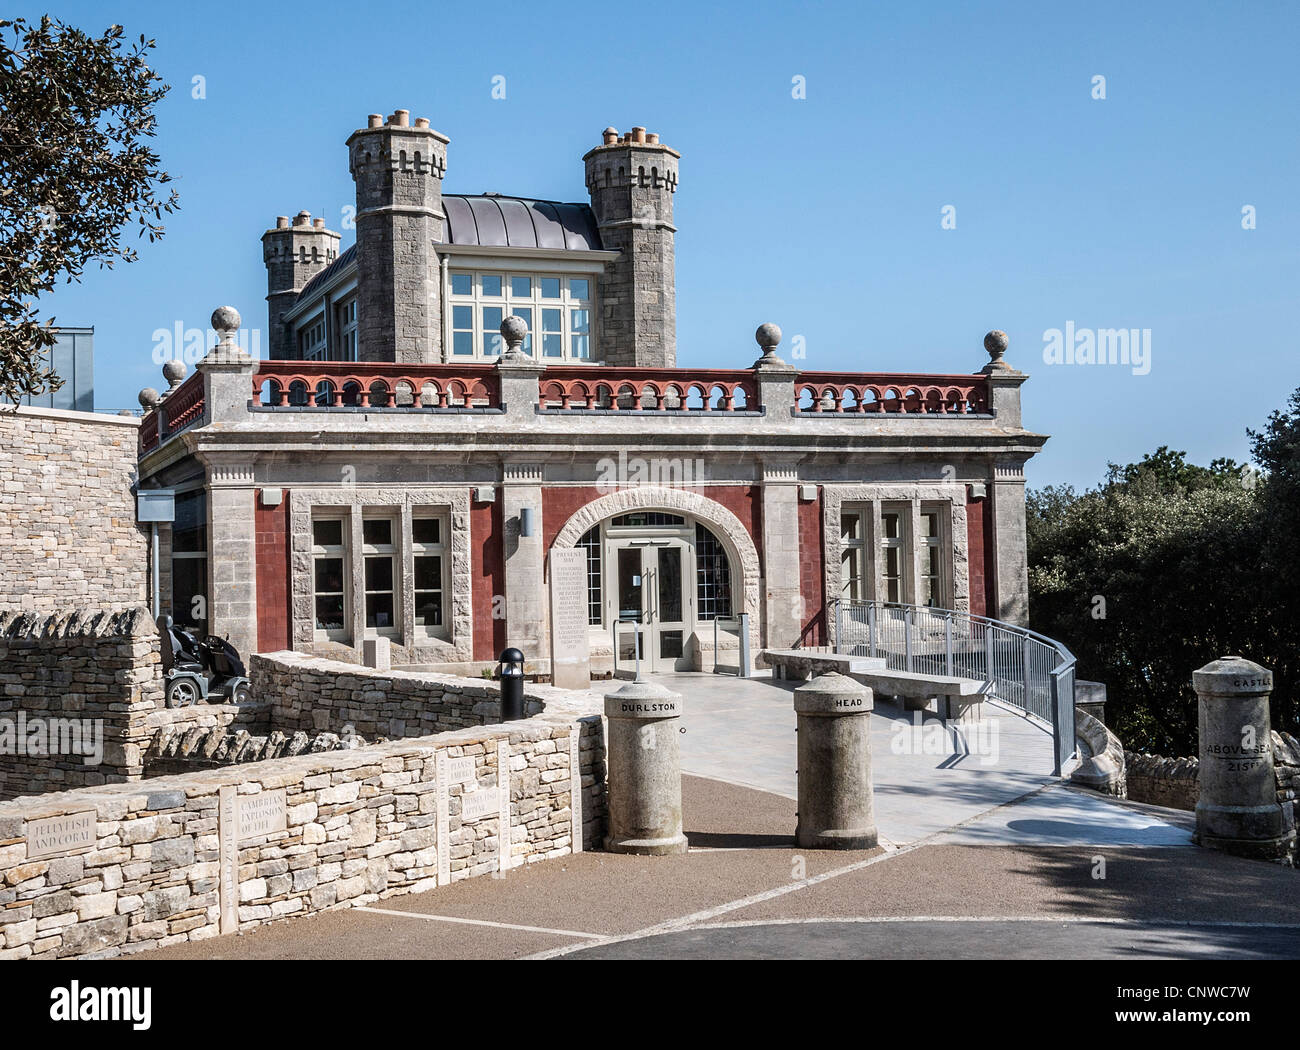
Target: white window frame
(340, 551)
(346, 312)
(902, 544)
(442, 551)
(312, 341)
(488, 345)
(940, 542)
(392, 551)
(857, 587)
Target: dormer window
(557, 309)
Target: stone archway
(728, 528)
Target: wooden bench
(959, 699)
(798, 665)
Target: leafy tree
(1149, 576)
(76, 168)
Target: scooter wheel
(241, 695)
(181, 692)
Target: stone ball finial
(768, 336)
(513, 331)
(174, 371)
(996, 343)
(148, 398)
(226, 319)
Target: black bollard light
(511, 673)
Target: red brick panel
(488, 569)
(273, 568)
(979, 540)
(812, 573)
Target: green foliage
(1157, 571)
(76, 114)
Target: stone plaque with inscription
(475, 805)
(261, 815)
(570, 645)
(228, 857)
(49, 836)
(461, 770)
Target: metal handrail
(1020, 667)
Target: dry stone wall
(68, 680)
(68, 534)
(1162, 781)
(284, 827)
(313, 694)
(1172, 782)
(122, 868)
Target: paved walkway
(745, 891)
(928, 777)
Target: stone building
(483, 380)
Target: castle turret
(631, 180)
(293, 254)
(398, 169)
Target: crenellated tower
(294, 254)
(631, 180)
(398, 170)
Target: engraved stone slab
(228, 857)
(444, 820)
(475, 805)
(50, 836)
(461, 770)
(575, 787)
(504, 840)
(570, 645)
(261, 815)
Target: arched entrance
(668, 566)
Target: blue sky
(822, 214)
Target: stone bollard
(836, 807)
(645, 778)
(1238, 810)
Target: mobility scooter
(207, 671)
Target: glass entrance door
(651, 590)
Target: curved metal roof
(490, 220)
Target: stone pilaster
(526, 613)
(1007, 491)
(232, 551)
(783, 599)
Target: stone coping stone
(911, 682)
(810, 658)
